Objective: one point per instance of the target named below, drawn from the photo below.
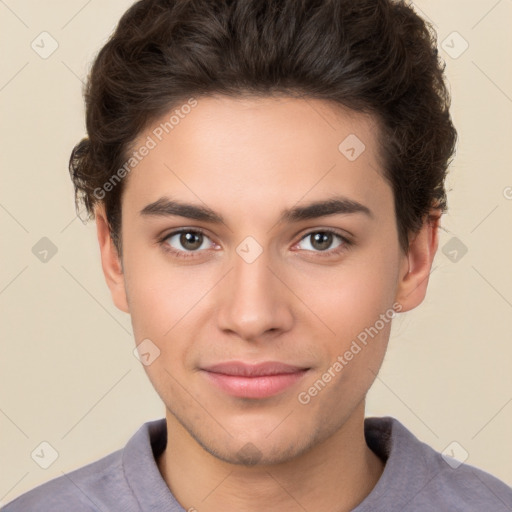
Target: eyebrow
(164, 207)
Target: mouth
(255, 381)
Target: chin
(251, 454)
(258, 448)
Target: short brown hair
(372, 56)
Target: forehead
(259, 152)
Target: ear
(417, 263)
(110, 261)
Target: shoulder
(119, 481)
(421, 478)
(463, 486)
(82, 490)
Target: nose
(255, 303)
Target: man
(267, 180)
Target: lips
(260, 380)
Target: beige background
(68, 375)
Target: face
(265, 318)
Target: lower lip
(254, 387)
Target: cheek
(160, 298)
(364, 300)
(352, 296)
(159, 314)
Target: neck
(336, 474)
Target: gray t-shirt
(415, 478)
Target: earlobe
(110, 261)
(417, 264)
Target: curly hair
(372, 56)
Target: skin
(248, 159)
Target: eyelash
(190, 254)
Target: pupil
(187, 240)
(323, 239)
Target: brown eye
(321, 241)
(191, 241)
(186, 241)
